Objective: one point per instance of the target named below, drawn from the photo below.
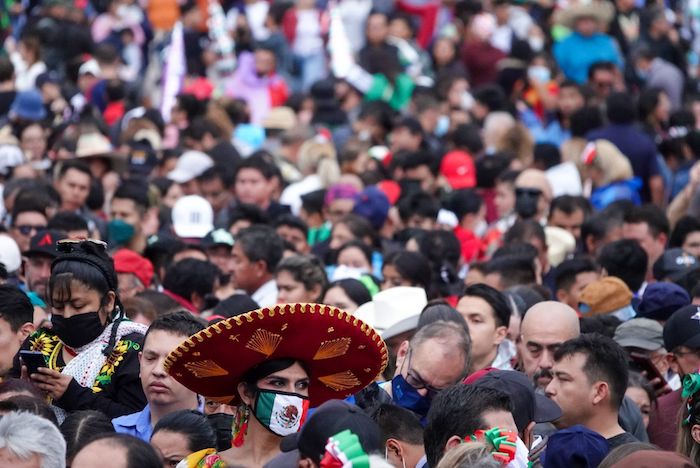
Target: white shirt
(266, 295)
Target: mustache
(542, 373)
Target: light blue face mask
(539, 73)
(443, 126)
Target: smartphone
(642, 363)
(33, 360)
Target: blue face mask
(119, 232)
(408, 397)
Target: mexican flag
(283, 413)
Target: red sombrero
(341, 353)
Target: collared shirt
(266, 295)
(139, 424)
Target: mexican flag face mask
(282, 413)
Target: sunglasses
(27, 229)
(69, 245)
(529, 192)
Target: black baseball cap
(674, 264)
(44, 243)
(330, 418)
(528, 406)
(683, 328)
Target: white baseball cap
(10, 255)
(193, 217)
(190, 164)
(391, 306)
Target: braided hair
(87, 262)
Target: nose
(423, 392)
(546, 361)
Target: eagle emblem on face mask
(288, 417)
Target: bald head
(545, 326)
(535, 179)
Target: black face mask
(221, 423)
(526, 202)
(77, 330)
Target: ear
(197, 300)
(140, 366)
(663, 238)
(25, 330)
(315, 292)
(600, 392)
(401, 354)
(452, 442)
(500, 335)
(562, 295)
(305, 463)
(672, 362)
(695, 432)
(590, 244)
(260, 268)
(394, 447)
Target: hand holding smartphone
(33, 360)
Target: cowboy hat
(341, 354)
(602, 12)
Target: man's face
(244, 271)
(253, 188)
(424, 175)
(158, 386)
(377, 29)
(602, 83)
(572, 295)
(295, 237)
(126, 210)
(338, 208)
(570, 100)
(571, 390)
(25, 226)
(37, 271)
(221, 256)
(10, 342)
(264, 62)
(536, 348)
(403, 139)
(74, 188)
(129, 285)
(431, 363)
(653, 246)
(505, 199)
(685, 360)
(486, 335)
(215, 193)
(569, 222)
(692, 243)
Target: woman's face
(33, 142)
(355, 258)
(337, 297)
(456, 92)
(290, 290)
(172, 447)
(443, 52)
(293, 379)
(82, 300)
(172, 195)
(392, 278)
(641, 399)
(340, 235)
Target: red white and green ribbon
(503, 443)
(344, 450)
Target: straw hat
(603, 12)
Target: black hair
(493, 168)
(190, 105)
(180, 323)
(439, 310)
(602, 324)
(598, 226)
(547, 154)
(34, 405)
(160, 301)
(569, 204)
(66, 221)
(458, 411)
(464, 202)
(524, 231)
(418, 203)
(234, 305)
(247, 212)
(261, 243)
(293, 222)
(492, 97)
(653, 216)
(191, 424)
(81, 428)
(134, 190)
(198, 128)
(260, 162)
(354, 289)
(600, 65)
(514, 270)
(139, 454)
(189, 276)
(76, 164)
(359, 227)
(496, 300)
(308, 270)
(626, 260)
(19, 386)
(521, 249)
(620, 108)
(584, 120)
(647, 102)
(358, 244)
(15, 307)
(397, 423)
(413, 266)
(685, 226)
(7, 70)
(96, 196)
(467, 136)
(312, 202)
(414, 159)
(605, 360)
(265, 368)
(565, 274)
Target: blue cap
(575, 446)
(372, 205)
(660, 300)
(28, 105)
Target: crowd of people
(361, 233)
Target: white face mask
(521, 455)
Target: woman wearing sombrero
(275, 363)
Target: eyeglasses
(27, 229)
(69, 245)
(686, 353)
(416, 381)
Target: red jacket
(290, 20)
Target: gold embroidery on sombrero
(206, 368)
(332, 348)
(340, 380)
(264, 342)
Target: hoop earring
(240, 425)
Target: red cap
(128, 261)
(458, 168)
(391, 189)
(471, 378)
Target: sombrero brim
(341, 353)
(602, 12)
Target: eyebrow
(560, 374)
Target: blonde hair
(467, 455)
(613, 165)
(318, 156)
(689, 416)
